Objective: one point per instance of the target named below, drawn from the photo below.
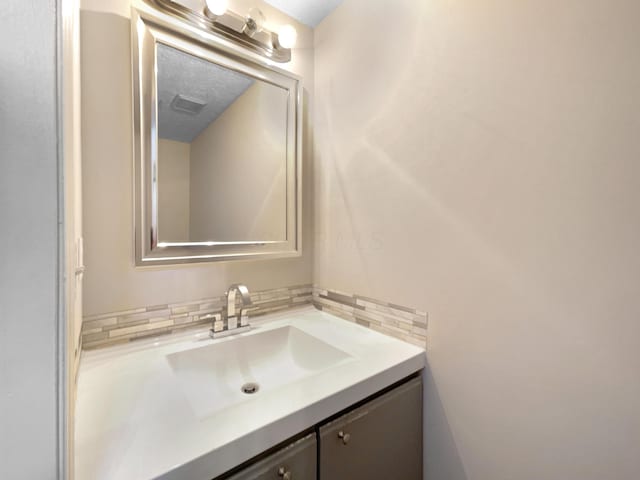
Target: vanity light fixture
(248, 31)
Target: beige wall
(238, 173)
(173, 190)
(480, 161)
(111, 281)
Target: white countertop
(134, 421)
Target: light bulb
(217, 7)
(287, 36)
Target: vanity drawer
(381, 440)
(294, 462)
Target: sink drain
(250, 388)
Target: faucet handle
(244, 319)
(217, 325)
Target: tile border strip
(115, 328)
(398, 321)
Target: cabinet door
(382, 440)
(295, 462)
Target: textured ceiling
(198, 80)
(309, 12)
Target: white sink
(212, 376)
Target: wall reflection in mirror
(222, 159)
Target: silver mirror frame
(149, 27)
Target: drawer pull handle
(344, 436)
(285, 474)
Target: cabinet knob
(344, 436)
(285, 474)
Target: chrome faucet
(232, 320)
(232, 317)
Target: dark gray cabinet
(295, 462)
(379, 440)
(382, 440)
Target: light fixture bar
(229, 26)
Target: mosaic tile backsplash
(125, 326)
(405, 323)
(114, 328)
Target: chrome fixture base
(227, 333)
(230, 26)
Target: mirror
(217, 150)
(222, 139)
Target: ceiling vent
(183, 104)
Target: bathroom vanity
(303, 393)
